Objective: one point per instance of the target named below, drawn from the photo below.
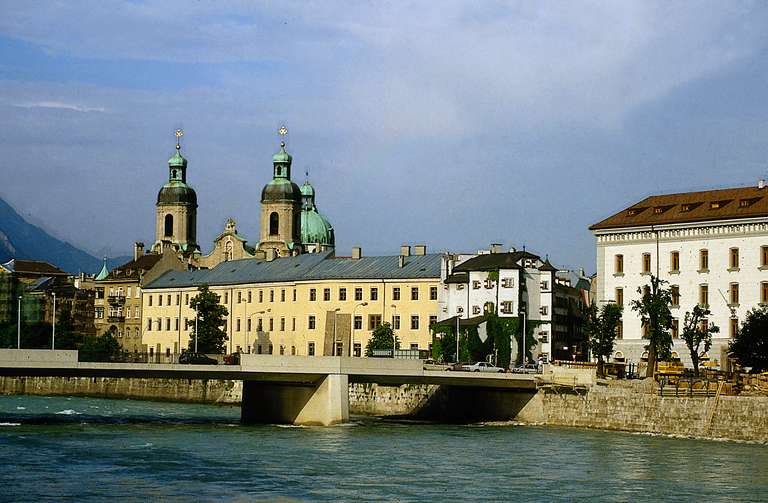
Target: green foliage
(103, 348)
(600, 330)
(382, 338)
(653, 308)
(39, 335)
(695, 335)
(750, 345)
(493, 275)
(211, 337)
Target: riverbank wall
(617, 405)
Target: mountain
(20, 239)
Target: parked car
(431, 364)
(481, 367)
(191, 358)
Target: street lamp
(352, 344)
(53, 329)
(18, 325)
(394, 337)
(247, 340)
(334, 330)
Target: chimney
(401, 261)
(138, 250)
(405, 251)
(357, 252)
(270, 254)
(495, 248)
(761, 183)
(420, 250)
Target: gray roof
(311, 266)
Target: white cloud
(59, 105)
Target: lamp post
(352, 344)
(18, 325)
(457, 337)
(334, 330)
(247, 340)
(394, 336)
(53, 329)
(197, 316)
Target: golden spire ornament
(179, 133)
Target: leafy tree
(382, 338)
(103, 348)
(211, 337)
(653, 308)
(695, 334)
(750, 344)
(600, 329)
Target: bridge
(309, 390)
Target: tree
(600, 329)
(653, 308)
(211, 337)
(103, 348)
(750, 344)
(695, 333)
(382, 338)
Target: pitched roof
(494, 261)
(134, 268)
(311, 266)
(685, 207)
(21, 266)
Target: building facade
(310, 304)
(711, 247)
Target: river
(84, 449)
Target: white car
(481, 367)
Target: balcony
(116, 319)
(116, 300)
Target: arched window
(169, 225)
(274, 223)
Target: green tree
(103, 348)
(750, 344)
(653, 308)
(695, 334)
(382, 338)
(600, 330)
(211, 337)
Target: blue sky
(514, 122)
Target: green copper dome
(177, 193)
(307, 190)
(177, 161)
(281, 189)
(315, 229)
(282, 156)
(104, 271)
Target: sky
(453, 124)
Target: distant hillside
(20, 239)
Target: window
(475, 285)
(282, 350)
(764, 292)
(432, 320)
(159, 324)
(271, 324)
(282, 295)
(374, 321)
(248, 325)
(271, 295)
(149, 323)
(358, 349)
(396, 322)
(274, 223)
(674, 261)
(374, 293)
(358, 322)
(675, 328)
(270, 349)
(358, 294)
(258, 349)
(414, 322)
(226, 297)
(506, 307)
(619, 264)
(312, 294)
(311, 349)
(507, 283)
(186, 324)
(675, 291)
(432, 293)
(261, 296)
(342, 294)
(734, 293)
(544, 285)
(544, 310)
(294, 295)
(237, 325)
(282, 324)
(186, 299)
(250, 297)
(293, 324)
(160, 300)
(733, 261)
(475, 309)
(704, 325)
(259, 325)
(396, 293)
(167, 323)
(620, 296)
(169, 299)
(311, 322)
(415, 293)
(239, 297)
(703, 260)
(646, 263)
(734, 327)
(620, 330)
(764, 256)
(149, 300)
(326, 294)
(703, 295)
(488, 283)
(168, 227)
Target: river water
(82, 449)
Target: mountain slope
(20, 239)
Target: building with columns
(710, 246)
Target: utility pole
(18, 325)
(53, 330)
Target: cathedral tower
(176, 222)
(281, 208)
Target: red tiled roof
(21, 266)
(690, 207)
(134, 268)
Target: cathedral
(290, 223)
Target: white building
(473, 284)
(712, 248)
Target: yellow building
(300, 305)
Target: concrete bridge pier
(321, 403)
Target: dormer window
(714, 205)
(685, 207)
(746, 203)
(631, 212)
